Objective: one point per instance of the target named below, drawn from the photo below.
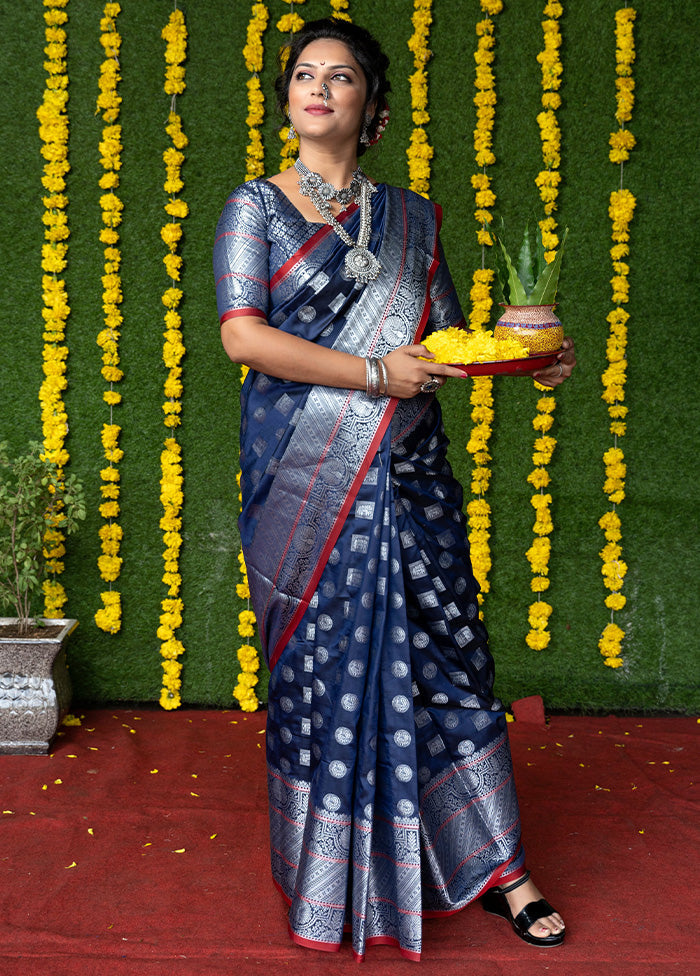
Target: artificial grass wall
(659, 512)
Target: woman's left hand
(556, 373)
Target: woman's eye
(340, 77)
(300, 75)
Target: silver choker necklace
(360, 263)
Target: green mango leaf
(516, 293)
(527, 259)
(545, 289)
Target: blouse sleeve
(241, 256)
(445, 310)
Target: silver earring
(292, 131)
(364, 135)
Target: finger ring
(561, 369)
(430, 385)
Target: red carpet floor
(139, 848)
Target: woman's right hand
(408, 367)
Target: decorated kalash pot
(535, 326)
(529, 288)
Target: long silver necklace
(360, 263)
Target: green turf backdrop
(659, 513)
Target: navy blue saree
(390, 780)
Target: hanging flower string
(547, 180)
(108, 617)
(289, 24)
(171, 481)
(420, 152)
(621, 212)
(481, 399)
(53, 133)
(253, 58)
(339, 10)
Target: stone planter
(35, 689)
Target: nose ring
(326, 93)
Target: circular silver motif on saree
(317, 720)
(373, 743)
(329, 328)
(328, 589)
(287, 673)
(445, 559)
(362, 635)
(307, 313)
(423, 775)
(403, 773)
(368, 600)
(405, 808)
(465, 747)
(337, 769)
(400, 703)
(321, 654)
(343, 736)
(260, 414)
(371, 777)
(356, 668)
(395, 566)
(402, 738)
(451, 720)
(460, 584)
(430, 670)
(285, 764)
(369, 811)
(421, 639)
(472, 611)
(399, 669)
(334, 557)
(316, 749)
(324, 622)
(286, 704)
(350, 703)
(372, 565)
(398, 635)
(396, 600)
(377, 531)
(285, 735)
(318, 687)
(331, 802)
(439, 699)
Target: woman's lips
(318, 110)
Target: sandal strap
(533, 911)
(514, 884)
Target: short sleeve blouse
(242, 255)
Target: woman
(390, 779)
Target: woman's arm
(249, 339)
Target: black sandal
(495, 902)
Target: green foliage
(32, 498)
(530, 280)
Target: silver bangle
(372, 373)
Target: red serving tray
(525, 365)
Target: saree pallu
(390, 779)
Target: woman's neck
(335, 168)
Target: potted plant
(529, 286)
(34, 684)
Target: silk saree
(391, 789)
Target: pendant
(362, 265)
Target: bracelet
(385, 378)
(373, 381)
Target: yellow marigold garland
(253, 58)
(339, 10)
(621, 212)
(108, 617)
(53, 133)
(420, 152)
(171, 481)
(547, 180)
(289, 24)
(481, 398)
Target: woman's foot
(528, 892)
(532, 917)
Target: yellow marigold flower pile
(456, 345)
(253, 58)
(621, 211)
